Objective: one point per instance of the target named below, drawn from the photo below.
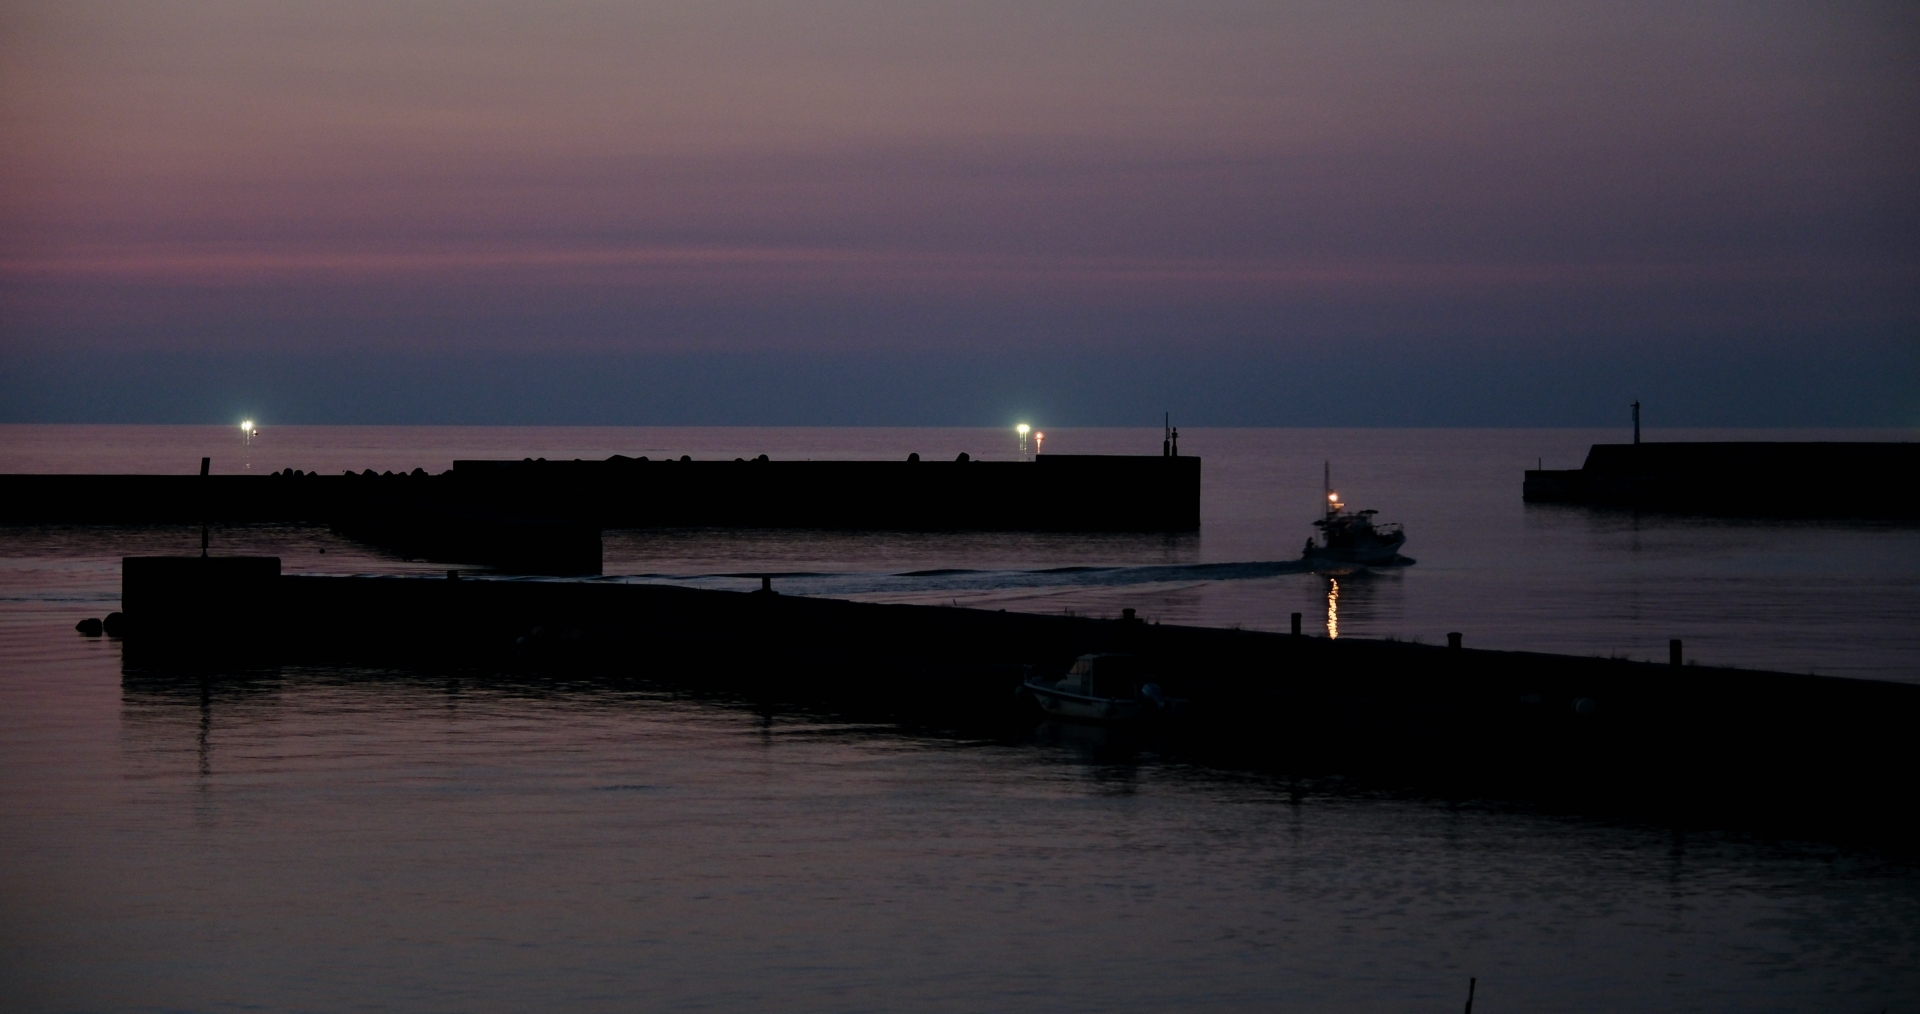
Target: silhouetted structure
(1054, 492)
(1813, 479)
(1700, 742)
(545, 517)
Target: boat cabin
(1104, 675)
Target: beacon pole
(206, 465)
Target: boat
(1351, 538)
(1099, 688)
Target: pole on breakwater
(1673, 652)
(206, 466)
(1296, 624)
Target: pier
(1054, 492)
(535, 516)
(1752, 748)
(1755, 479)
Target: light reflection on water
(1333, 607)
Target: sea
(334, 838)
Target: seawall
(1053, 492)
(1786, 479)
(1820, 755)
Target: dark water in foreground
(332, 839)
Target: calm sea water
(350, 838)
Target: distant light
(247, 427)
(1022, 429)
(1331, 497)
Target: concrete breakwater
(545, 517)
(1815, 755)
(1053, 492)
(1810, 479)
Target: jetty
(546, 517)
(1752, 479)
(1797, 753)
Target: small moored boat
(1099, 688)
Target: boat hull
(1384, 556)
(1063, 704)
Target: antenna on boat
(1333, 503)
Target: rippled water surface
(349, 838)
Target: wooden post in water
(1470, 984)
(1673, 652)
(1296, 624)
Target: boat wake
(961, 580)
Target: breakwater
(1812, 754)
(1784, 479)
(545, 517)
(1052, 493)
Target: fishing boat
(1351, 538)
(1098, 688)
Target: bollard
(766, 584)
(1296, 624)
(1126, 615)
(1673, 652)
(1453, 639)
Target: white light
(1022, 429)
(1331, 497)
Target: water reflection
(637, 821)
(1333, 607)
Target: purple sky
(948, 212)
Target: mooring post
(1453, 639)
(1673, 652)
(766, 584)
(1296, 624)
(1470, 984)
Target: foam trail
(955, 580)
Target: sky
(949, 213)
